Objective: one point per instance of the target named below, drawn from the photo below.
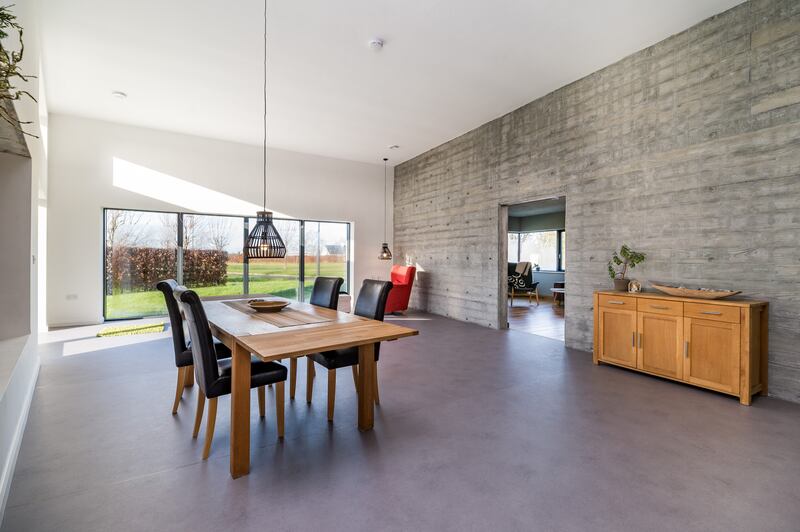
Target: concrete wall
(688, 150)
(82, 182)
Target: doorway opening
(536, 245)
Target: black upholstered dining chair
(370, 304)
(214, 376)
(183, 354)
(325, 293)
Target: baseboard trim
(7, 474)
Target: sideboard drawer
(709, 311)
(660, 306)
(626, 302)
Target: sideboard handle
(633, 339)
(686, 349)
(616, 302)
(640, 340)
(660, 307)
(712, 312)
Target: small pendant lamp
(386, 253)
(264, 241)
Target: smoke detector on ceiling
(393, 147)
(376, 44)
(119, 95)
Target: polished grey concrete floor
(478, 430)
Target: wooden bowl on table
(267, 305)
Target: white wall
(81, 184)
(19, 359)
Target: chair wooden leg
(355, 376)
(188, 381)
(537, 296)
(331, 392)
(261, 402)
(212, 420)
(179, 389)
(198, 416)
(309, 379)
(292, 377)
(377, 397)
(279, 406)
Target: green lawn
(265, 278)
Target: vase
(621, 285)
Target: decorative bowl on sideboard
(699, 293)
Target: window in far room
(547, 249)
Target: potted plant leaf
(9, 70)
(619, 264)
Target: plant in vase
(9, 70)
(619, 264)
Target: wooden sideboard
(720, 345)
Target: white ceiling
(194, 66)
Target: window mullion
(179, 259)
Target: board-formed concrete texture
(688, 150)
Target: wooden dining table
(300, 329)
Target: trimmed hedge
(134, 269)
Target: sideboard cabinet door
(660, 344)
(712, 350)
(617, 336)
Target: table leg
(366, 386)
(240, 412)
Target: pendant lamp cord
(265, 105)
(385, 208)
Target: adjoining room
(400, 266)
(537, 263)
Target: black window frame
(245, 268)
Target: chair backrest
(403, 274)
(523, 268)
(168, 287)
(326, 292)
(371, 301)
(203, 352)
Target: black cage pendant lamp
(264, 241)
(386, 253)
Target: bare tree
(219, 233)
(120, 228)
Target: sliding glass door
(141, 248)
(204, 252)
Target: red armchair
(402, 279)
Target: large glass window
(213, 263)
(539, 249)
(205, 252)
(325, 252)
(141, 248)
(513, 247)
(279, 277)
(546, 249)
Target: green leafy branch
(627, 258)
(9, 69)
